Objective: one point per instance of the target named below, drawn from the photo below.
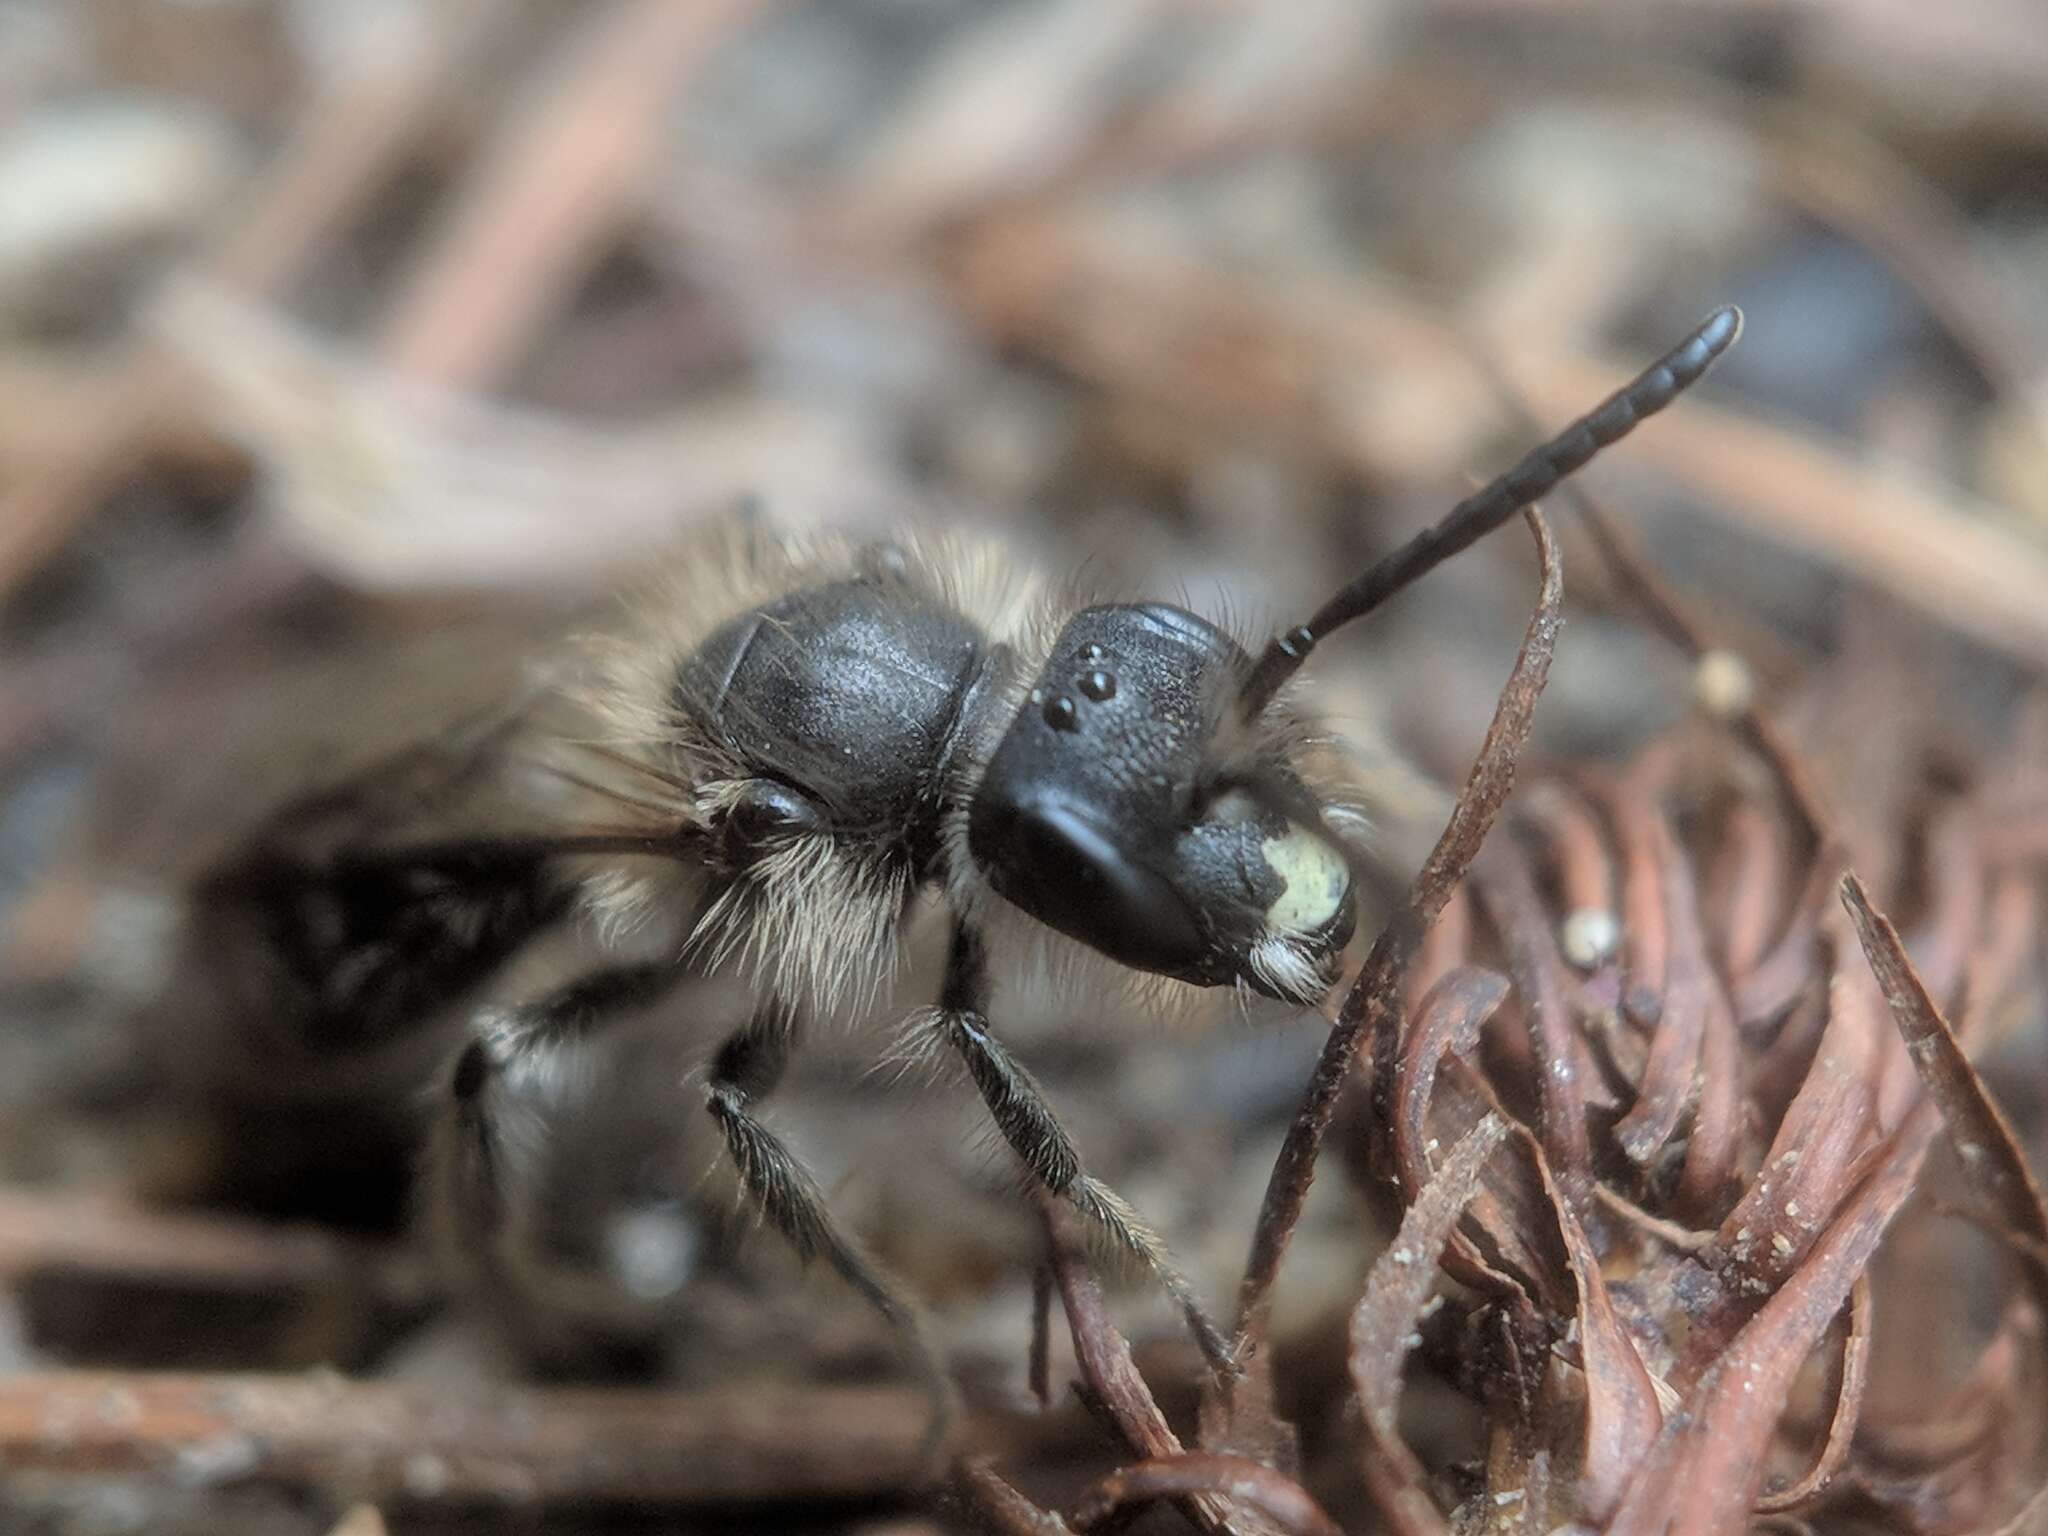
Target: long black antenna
(1485, 510)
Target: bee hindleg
(472, 1164)
(747, 1067)
(1033, 1131)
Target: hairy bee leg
(1034, 1132)
(747, 1067)
(470, 1153)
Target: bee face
(1097, 814)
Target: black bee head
(1102, 816)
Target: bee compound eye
(763, 813)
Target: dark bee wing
(350, 952)
(365, 907)
(338, 837)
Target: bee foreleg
(1034, 1132)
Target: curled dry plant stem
(1704, 1470)
(1849, 1384)
(1383, 1329)
(1701, 1474)
(1002, 1509)
(1983, 1138)
(1371, 1010)
(1108, 1374)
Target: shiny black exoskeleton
(849, 701)
(1095, 814)
(1099, 814)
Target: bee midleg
(747, 1067)
(470, 1167)
(1045, 1147)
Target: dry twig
(1248, 1483)
(342, 150)
(534, 217)
(1370, 1011)
(372, 1442)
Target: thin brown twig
(376, 1441)
(1002, 1507)
(1981, 1135)
(1984, 1139)
(341, 151)
(1371, 1010)
(1850, 1380)
(1100, 1350)
(558, 183)
(1104, 1356)
(1279, 1498)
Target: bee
(794, 750)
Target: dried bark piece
(1702, 1474)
